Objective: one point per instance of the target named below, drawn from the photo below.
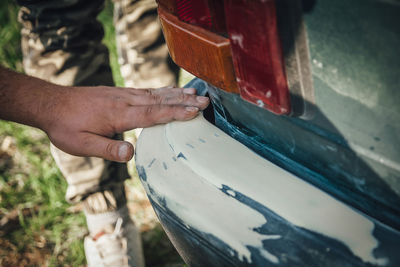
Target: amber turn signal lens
(200, 52)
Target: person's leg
(61, 43)
(143, 54)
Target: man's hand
(82, 120)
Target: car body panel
(350, 138)
(353, 47)
(205, 184)
(318, 188)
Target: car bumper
(223, 205)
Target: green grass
(106, 17)
(32, 182)
(10, 51)
(44, 232)
(43, 229)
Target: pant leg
(61, 43)
(143, 54)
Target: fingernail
(202, 99)
(190, 91)
(192, 109)
(123, 151)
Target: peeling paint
(180, 155)
(151, 163)
(141, 172)
(189, 145)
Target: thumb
(106, 148)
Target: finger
(98, 146)
(159, 92)
(146, 116)
(169, 86)
(184, 99)
(162, 90)
(172, 97)
(167, 90)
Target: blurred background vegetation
(37, 226)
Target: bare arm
(82, 120)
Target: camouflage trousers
(61, 43)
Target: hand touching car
(82, 120)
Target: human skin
(82, 120)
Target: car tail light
(251, 59)
(257, 54)
(194, 12)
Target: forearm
(26, 99)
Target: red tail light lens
(254, 41)
(208, 14)
(194, 12)
(257, 53)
